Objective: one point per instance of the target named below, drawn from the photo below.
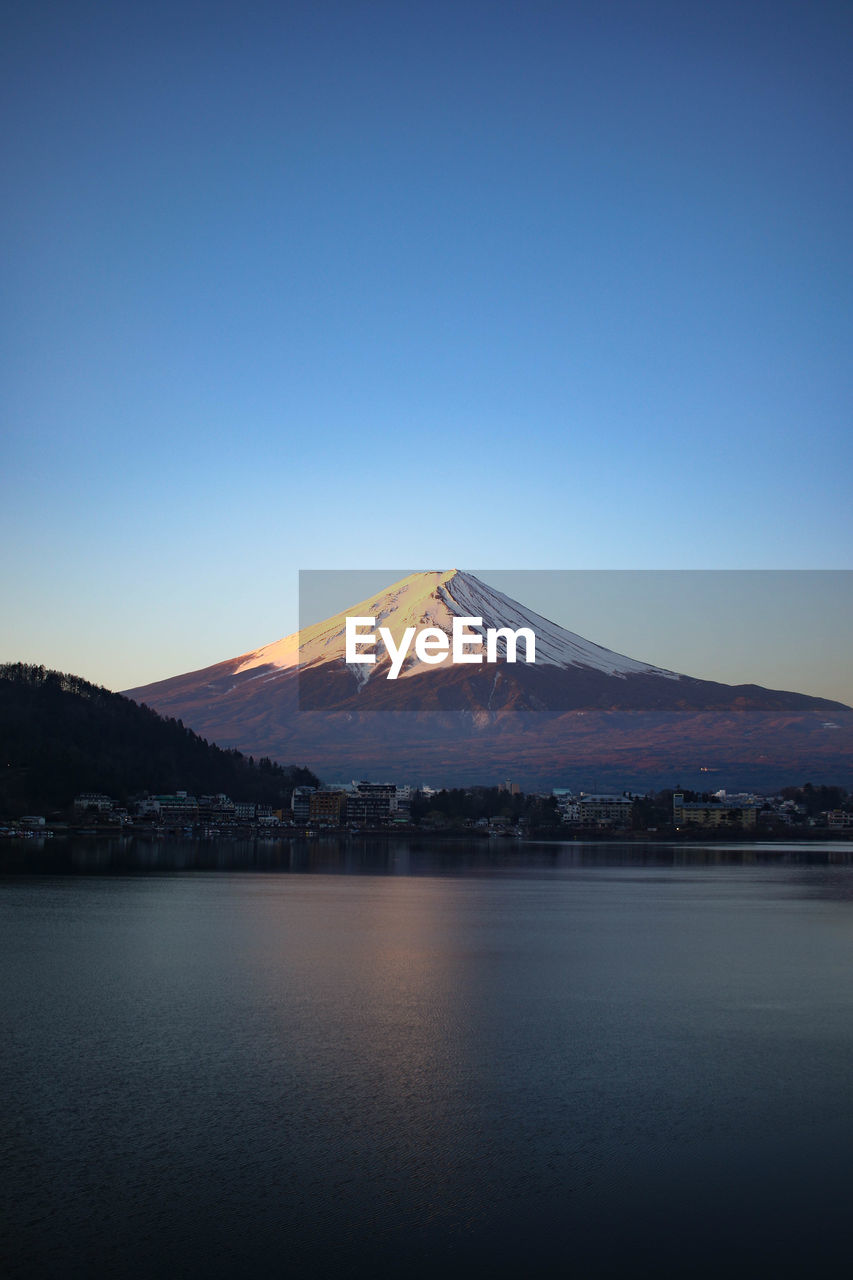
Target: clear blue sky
(286, 285)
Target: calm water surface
(398, 1061)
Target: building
(604, 810)
(326, 808)
(300, 803)
(88, 801)
(371, 803)
(178, 810)
(402, 806)
(569, 809)
(216, 809)
(568, 805)
(597, 810)
(712, 813)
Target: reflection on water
(552, 1060)
(393, 856)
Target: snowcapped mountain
(433, 599)
(578, 706)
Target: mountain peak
(577, 702)
(433, 598)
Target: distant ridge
(581, 711)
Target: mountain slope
(580, 706)
(60, 735)
(433, 599)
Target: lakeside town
(82, 760)
(500, 811)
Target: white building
(92, 800)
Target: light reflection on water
(446, 1061)
(394, 856)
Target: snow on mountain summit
(555, 646)
(432, 599)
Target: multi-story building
(712, 813)
(595, 810)
(178, 810)
(326, 808)
(216, 809)
(300, 803)
(401, 809)
(90, 800)
(371, 803)
(604, 810)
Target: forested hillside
(60, 735)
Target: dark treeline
(816, 800)
(60, 735)
(470, 804)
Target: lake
(403, 1059)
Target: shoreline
(345, 835)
